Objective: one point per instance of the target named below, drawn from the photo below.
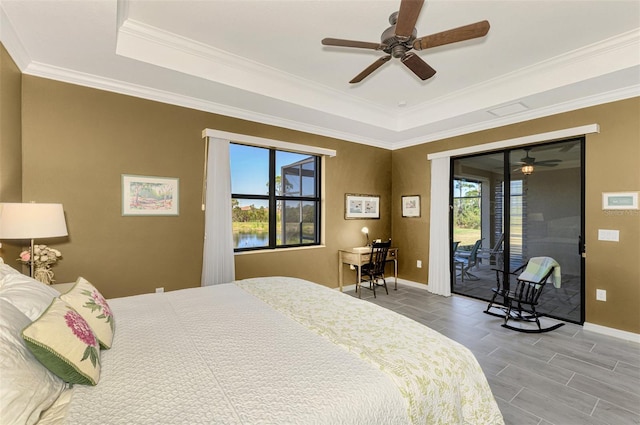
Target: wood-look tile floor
(565, 377)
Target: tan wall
(78, 142)
(10, 142)
(611, 165)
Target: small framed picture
(147, 195)
(411, 206)
(361, 206)
(620, 200)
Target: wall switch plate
(419, 264)
(601, 295)
(608, 235)
(159, 290)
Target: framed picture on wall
(361, 206)
(411, 206)
(147, 195)
(620, 201)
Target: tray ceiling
(262, 60)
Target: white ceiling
(262, 60)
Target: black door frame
(507, 214)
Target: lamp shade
(30, 221)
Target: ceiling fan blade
(549, 162)
(467, 32)
(377, 64)
(418, 66)
(407, 17)
(351, 43)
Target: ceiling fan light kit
(527, 170)
(401, 37)
(527, 163)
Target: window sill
(264, 251)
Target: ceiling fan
(400, 38)
(528, 163)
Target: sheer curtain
(218, 264)
(439, 248)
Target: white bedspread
(218, 355)
(440, 379)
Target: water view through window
(275, 197)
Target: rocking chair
(519, 301)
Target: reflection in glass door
(501, 219)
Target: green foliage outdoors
(467, 217)
(254, 220)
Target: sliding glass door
(513, 205)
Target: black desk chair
(520, 301)
(373, 271)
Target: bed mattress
(218, 355)
(278, 351)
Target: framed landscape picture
(147, 195)
(411, 206)
(361, 206)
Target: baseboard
(617, 333)
(390, 284)
(413, 284)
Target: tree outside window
(467, 212)
(288, 215)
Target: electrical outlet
(601, 295)
(608, 235)
(159, 290)
(419, 264)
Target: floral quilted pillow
(90, 303)
(63, 341)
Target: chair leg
(534, 315)
(491, 305)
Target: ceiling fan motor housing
(393, 45)
(400, 38)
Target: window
(467, 217)
(275, 198)
(517, 221)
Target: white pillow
(30, 296)
(6, 269)
(26, 387)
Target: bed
(273, 350)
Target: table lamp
(31, 221)
(365, 230)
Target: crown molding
(116, 86)
(139, 41)
(11, 41)
(585, 102)
(598, 59)
(610, 55)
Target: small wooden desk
(360, 256)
